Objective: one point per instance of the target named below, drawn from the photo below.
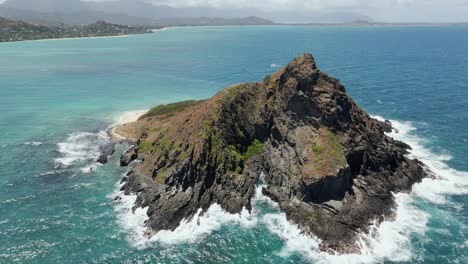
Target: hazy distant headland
(141, 12)
(16, 30)
(125, 12)
(52, 19)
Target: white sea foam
(90, 168)
(132, 222)
(51, 172)
(33, 143)
(447, 181)
(294, 238)
(188, 231)
(203, 224)
(80, 147)
(274, 65)
(387, 241)
(259, 197)
(390, 240)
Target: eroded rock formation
(327, 163)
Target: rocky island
(324, 160)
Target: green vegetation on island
(169, 108)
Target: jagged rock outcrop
(105, 151)
(326, 162)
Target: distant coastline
(17, 30)
(71, 38)
(390, 24)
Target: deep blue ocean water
(57, 96)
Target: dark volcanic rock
(106, 151)
(129, 156)
(327, 163)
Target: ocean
(58, 97)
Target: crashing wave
(390, 240)
(132, 220)
(80, 148)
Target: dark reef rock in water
(328, 165)
(106, 150)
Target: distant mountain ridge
(60, 12)
(73, 12)
(139, 12)
(213, 21)
(50, 6)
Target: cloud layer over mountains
(298, 11)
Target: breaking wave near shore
(82, 149)
(390, 240)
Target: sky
(377, 10)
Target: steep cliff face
(327, 163)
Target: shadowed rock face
(327, 163)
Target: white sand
(96, 37)
(125, 118)
(130, 116)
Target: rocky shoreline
(325, 161)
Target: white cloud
(379, 10)
(385, 10)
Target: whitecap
(131, 221)
(447, 181)
(33, 143)
(389, 240)
(81, 147)
(80, 185)
(51, 172)
(260, 197)
(188, 231)
(274, 65)
(294, 238)
(90, 168)
(204, 224)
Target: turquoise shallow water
(56, 97)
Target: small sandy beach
(71, 38)
(125, 118)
